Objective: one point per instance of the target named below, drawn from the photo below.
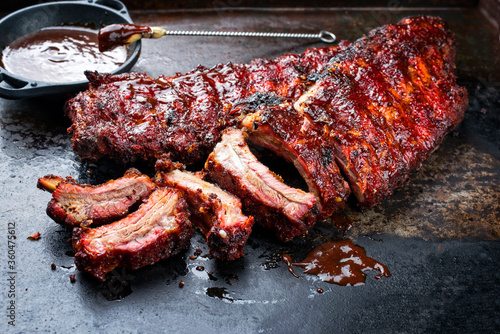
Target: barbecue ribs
(386, 102)
(75, 204)
(214, 211)
(159, 229)
(286, 211)
(376, 108)
(131, 116)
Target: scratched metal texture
(438, 234)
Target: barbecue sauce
(341, 262)
(59, 54)
(119, 34)
(288, 261)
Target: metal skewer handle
(324, 36)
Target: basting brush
(125, 34)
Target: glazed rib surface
(376, 108)
(286, 211)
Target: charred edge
(259, 99)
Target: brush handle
(324, 36)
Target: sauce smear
(60, 54)
(341, 262)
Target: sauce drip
(60, 54)
(288, 261)
(341, 262)
(119, 34)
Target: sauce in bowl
(60, 54)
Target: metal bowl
(90, 13)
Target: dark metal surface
(438, 234)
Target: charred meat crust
(286, 211)
(160, 228)
(386, 102)
(214, 211)
(75, 204)
(130, 117)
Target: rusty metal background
(438, 234)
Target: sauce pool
(60, 54)
(340, 262)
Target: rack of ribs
(131, 116)
(160, 228)
(386, 102)
(371, 111)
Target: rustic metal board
(438, 234)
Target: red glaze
(132, 117)
(386, 102)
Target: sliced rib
(286, 211)
(75, 204)
(214, 211)
(282, 130)
(159, 229)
